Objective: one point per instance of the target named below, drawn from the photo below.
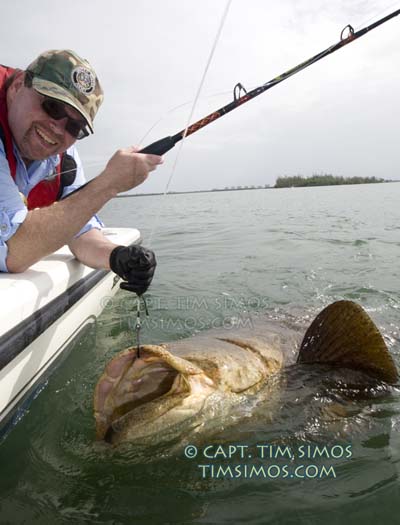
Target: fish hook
(138, 325)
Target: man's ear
(16, 84)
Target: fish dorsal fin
(344, 335)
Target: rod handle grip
(156, 148)
(160, 146)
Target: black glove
(133, 264)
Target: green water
(223, 257)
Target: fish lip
(189, 380)
(192, 373)
(179, 364)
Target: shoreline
(247, 189)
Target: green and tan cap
(65, 76)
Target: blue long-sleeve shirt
(12, 208)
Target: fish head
(141, 396)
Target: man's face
(38, 136)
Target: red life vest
(47, 191)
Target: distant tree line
(322, 180)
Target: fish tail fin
(344, 335)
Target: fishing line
(162, 204)
(179, 106)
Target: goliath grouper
(189, 385)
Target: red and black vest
(47, 191)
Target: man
(43, 111)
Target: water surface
(222, 258)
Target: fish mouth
(134, 390)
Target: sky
(340, 116)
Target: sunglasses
(56, 110)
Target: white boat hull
(43, 310)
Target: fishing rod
(165, 144)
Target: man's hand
(127, 169)
(133, 264)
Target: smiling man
(44, 110)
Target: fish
(193, 385)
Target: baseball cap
(65, 76)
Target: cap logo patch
(83, 80)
